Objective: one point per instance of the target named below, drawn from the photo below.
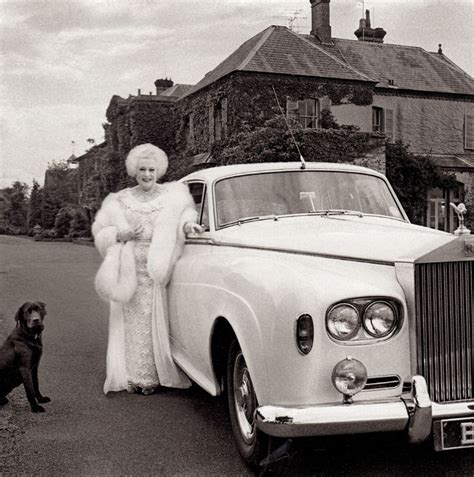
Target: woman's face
(146, 173)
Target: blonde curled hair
(146, 151)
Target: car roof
(219, 172)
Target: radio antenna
(303, 162)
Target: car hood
(366, 238)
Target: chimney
(320, 27)
(163, 84)
(366, 33)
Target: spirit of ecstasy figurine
(461, 211)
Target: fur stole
(116, 279)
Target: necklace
(146, 195)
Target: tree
(412, 177)
(35, 205)
(16, 213)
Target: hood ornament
(461, 211)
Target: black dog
(20, 355)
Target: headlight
(304, 333)
(379, 319)
(343, 321)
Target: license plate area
(453, 433)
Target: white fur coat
(116, 279)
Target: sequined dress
(138, 312)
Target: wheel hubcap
(245, 401)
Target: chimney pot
(440, 50)
(366, 33)
(139, 91)
(162, 85)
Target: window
(270, 194)
(218, 120)
(198, 192)
(469, 131)
(305, 111)
(389, 125)
(378, 124)
(439, 215)
(189, 130)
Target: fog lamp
(349, 377)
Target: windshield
(300, 192)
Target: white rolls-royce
(313, 302)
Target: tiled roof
(278, 50)
(177, 90)
(402, 67)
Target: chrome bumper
(413, 413)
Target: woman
(140, 232)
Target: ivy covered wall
(141, 119)
(251, 99)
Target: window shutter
(191, 130)
(325, 103)
(469, 131)
(389, 124)
(211, 123)
(291, 108)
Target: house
(392, 91)
(405, 92)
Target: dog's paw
(3, 400)
(38, 409)
(44, 399)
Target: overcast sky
(62, 61)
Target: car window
(299, 192)
(198, 192)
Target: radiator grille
(444, 300)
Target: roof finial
(440, 50)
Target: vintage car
(315, 304)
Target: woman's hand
(130, 234)
(192, 228)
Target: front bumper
(413, 412)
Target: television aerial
(292, 19)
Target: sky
(61, 61)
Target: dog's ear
(42, 306)
(20, 314)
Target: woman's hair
(146, 151)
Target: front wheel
(252, 443)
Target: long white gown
(137, 313)
(145, 320)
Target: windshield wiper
(328, 212)
(254, 218)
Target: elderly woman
(140, 232)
